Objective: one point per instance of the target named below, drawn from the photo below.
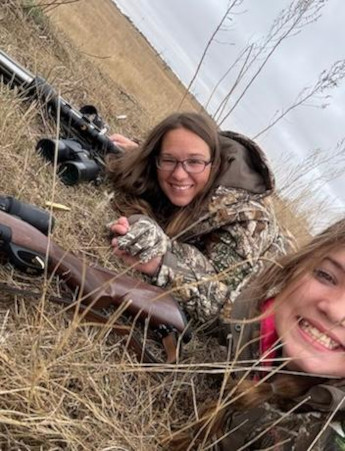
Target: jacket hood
(244, 165)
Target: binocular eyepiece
(75, 162)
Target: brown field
(119, 49)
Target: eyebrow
(168, 154)
(336, 263)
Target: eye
(324, 276)
(195, 162)
(167, 160)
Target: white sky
(180, 31)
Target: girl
(293, 396)
(197, 215)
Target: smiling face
(310, 319)
(179, 186)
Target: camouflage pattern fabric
(267, 427)
(211, 263)
(145, 239)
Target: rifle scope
(76, 164)
(37, 217)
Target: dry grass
(64, 384)
(123, 54)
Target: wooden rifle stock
(97, 286)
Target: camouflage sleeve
(196, 281)
(207, 283)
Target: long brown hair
(135, 174)
(277, 388)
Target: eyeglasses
(190, 165)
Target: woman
(297, 327)
(197, 215)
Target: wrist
(158, 268)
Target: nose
(334, 308)
(179, 172)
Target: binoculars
(76, 164)
(37, 217)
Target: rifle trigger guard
(163, 331)
(167, 335)
(24, 259)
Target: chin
(180, 202)
(318, 366)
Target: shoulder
(225, 200)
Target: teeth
(180, 187)
(320, 337)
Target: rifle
(98, 288)
(81, 153)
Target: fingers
(120, 227)
(150, 268)
(128, 259)
(123, 254)
(134, 241)
(143, 239)
(123, 141)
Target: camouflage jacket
(210, 263)
(314, 421)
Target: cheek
(285, 317)
(203, 178)
(160, 178)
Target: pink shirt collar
(268, 334)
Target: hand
(144, 238)
(139, 242)
(150, 268)
(123, 142)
